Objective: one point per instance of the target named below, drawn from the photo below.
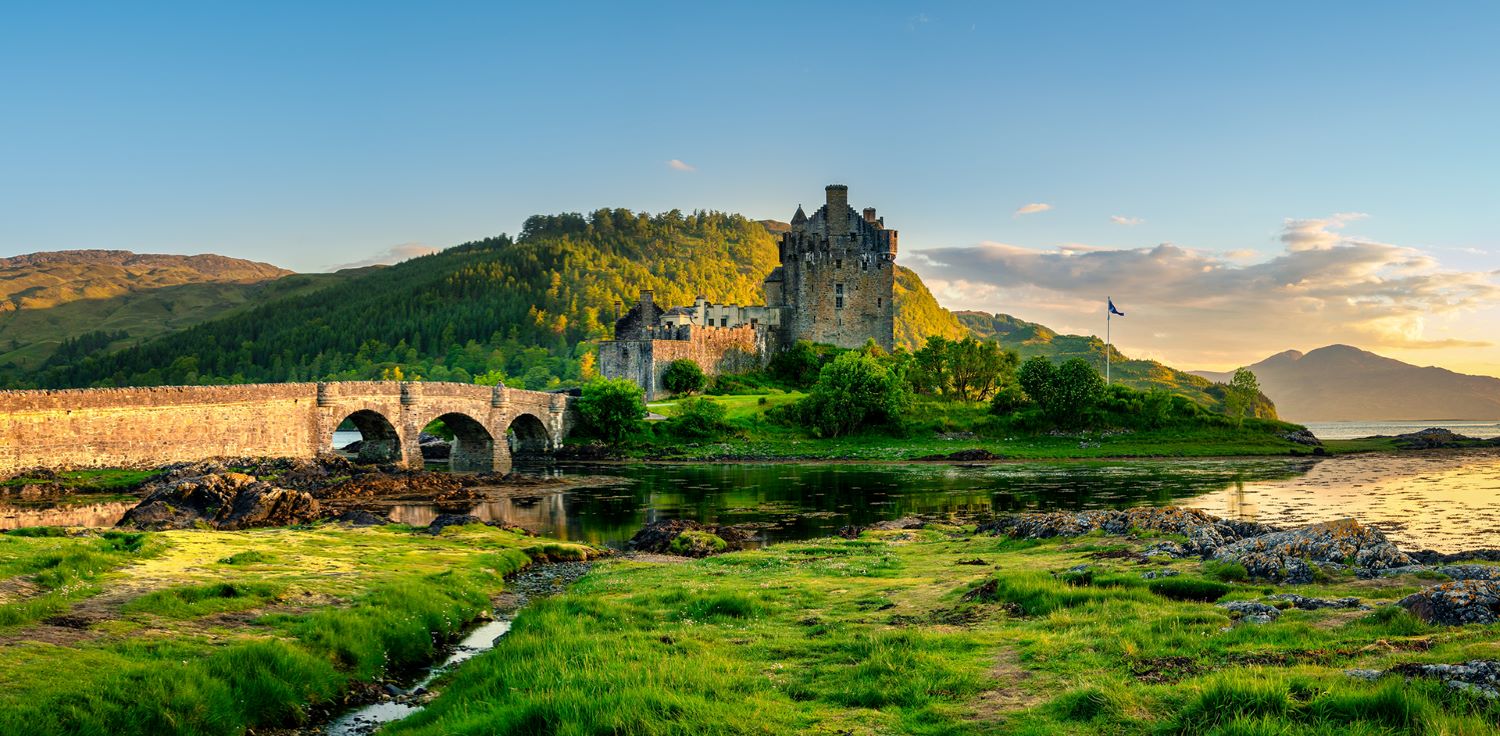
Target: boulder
(1477, 676)
(1314, 604)
(1456, 603)
(1251, 612)
(1303, 436)
(687, 538)
(443, 521)
(222, 501)
(360, 517)
(1289, 556)
(434, 447)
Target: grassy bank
(201, 632)
(937, 632)
(936, 427)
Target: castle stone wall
(715, 349)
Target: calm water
(1442, 500)
(1353, 430)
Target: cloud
(1123, 220)
(1033, 208)
(1324, 287)
(393, 254)
(680, 165)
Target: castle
(836, 285)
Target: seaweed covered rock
(1456, 603)
(1204, 532)
(221, 501)
(687, 538)
(1289, 556)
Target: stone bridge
(147, 427)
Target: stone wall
(715, 349)
(149, 427)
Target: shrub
(700, 418)
(683, 376)
(611, 408)
(1189, 589)
(854, 391)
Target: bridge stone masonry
(148, 427)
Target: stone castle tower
(837, 279)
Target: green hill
(1029, 339)
(523, 310)
(88, 300)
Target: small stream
(538, 580)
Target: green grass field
(887, 634)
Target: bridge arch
(379, 441)
(528, 436)
(473, 447)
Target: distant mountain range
(1343, 383)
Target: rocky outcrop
(1205, 533)
(1477, 676)
(687, 538)
(1456, 603)
(1303, 436)
(1251, 612)
(222, 501)
(1314, 604)
(1289, 556)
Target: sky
(1242, 178)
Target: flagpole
(1108, 315)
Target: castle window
(838, 296)
(864, 264)
(723, 321)
(878, 301)
(838, 263)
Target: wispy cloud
(1123, 220)
(680, 165)
(1032, 208)
(393, 254)
(1324, 287)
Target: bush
(1189, 589)
(700, 419)
(854, 391)
(683, 376)
(798, 365)
(611, 408)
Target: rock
(434, 447)
(1303, 436)
(1168, 549)
(977, 454)
(1158, 574)
(1314, 604)
(667, 537)
(1432, 438)
(1477, 676)
(443, 521)
(222, 501)
(976, 562)
(1205, 533)
(891, 525)
(1430, 557)
(1456, 603)
(360, 517)
(1366, 675)
(1251, 612)
(1288, 556)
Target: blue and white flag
(1112, 309)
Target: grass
(887, 634)
(202, 632)
(60, 568)
(939, 427)
(103, 480)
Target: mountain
(1031, 339)
(104, 298)
(1340, 382)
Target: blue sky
(314, 137)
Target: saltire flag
(1112, 309)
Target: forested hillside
(1030, 338)
(523, 311)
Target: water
(1355, 430)
(1446, 500)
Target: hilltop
(98, 299)
(1345, 383)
